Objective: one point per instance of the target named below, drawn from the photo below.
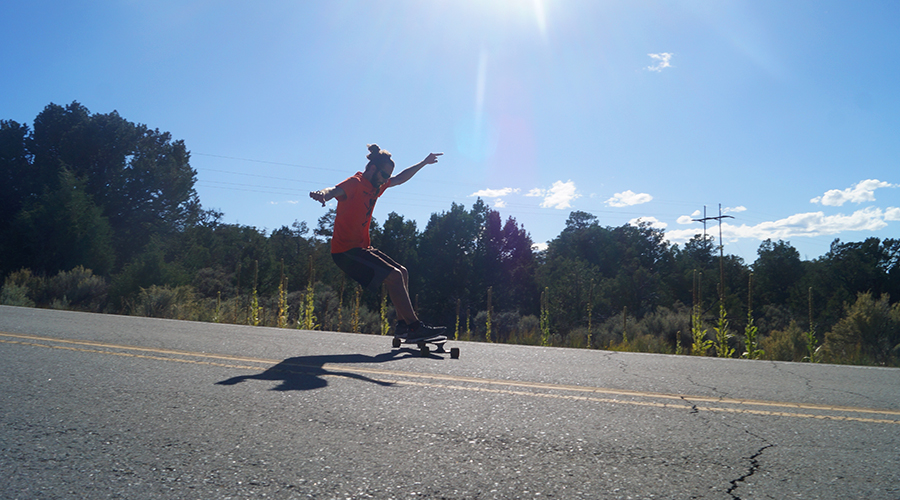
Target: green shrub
(869, 333)
(77, 289)
(165, 302)
(15, 295)
(527, 332)
(788, 344)
(643, 342)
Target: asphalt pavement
(105, 406)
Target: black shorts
(367, 266)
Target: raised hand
(318, 196)
(431, 158)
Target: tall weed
(723, 335)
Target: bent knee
(396, 275)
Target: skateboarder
(351, 248)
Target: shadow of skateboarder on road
(304, 373)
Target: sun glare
(540, 17)
(529, 11)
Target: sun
(526, 11)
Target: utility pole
(721, 245)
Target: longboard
(438, 343)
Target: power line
(268, 162)
(325, 169)
(512, 208)
(259, 176)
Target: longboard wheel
(396, 342)
(454, 353)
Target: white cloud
(862, 191)
(799, 225)
(654, 222)
(494, 193)
(539, 247)
(559, 196)
(734, 210)
(628, 198)
(662, 61)
(685, 219)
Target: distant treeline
(100, 214)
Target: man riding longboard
(351, 247)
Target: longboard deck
(431, 340)
(422, 344)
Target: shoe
(401, 330)
(421, 331)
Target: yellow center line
(435, 381)
(655, 404)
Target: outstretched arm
(326, 194)
(411, 171)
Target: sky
(784, 115)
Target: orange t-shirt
(354, 214)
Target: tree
(579, 221)
(140, 178)
(399, 238)
(627, 263)
(694, 265)
(582, 238)
(567, 283)
(289, 245)
(17, 184)
(61, 230)
(777, 272)
(641, 257)
(448, 243)
(504, 259)
(325, 225)
(846, 270)
(891, 266)
(519, 264)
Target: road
(104, 406)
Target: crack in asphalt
(694, 408)
(754, 467)
(712, 388)
(812, 386)
(754, 462)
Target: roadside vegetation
(99, 214)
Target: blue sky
(785, 113)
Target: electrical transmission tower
(721, 245)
